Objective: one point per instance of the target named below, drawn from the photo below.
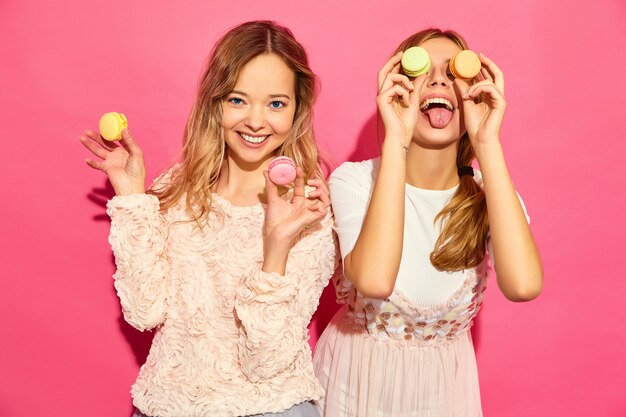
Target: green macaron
(415, 61)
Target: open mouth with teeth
(438, 111)
(254, 140)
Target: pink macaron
(282, 170)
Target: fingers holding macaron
(314, 194)
(319, 189)
(392, 66)
(495, 73)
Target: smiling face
(258, 114)
(440, 120)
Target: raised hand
(285, 220)
(483, 120)
(123, 163)
(398, 100)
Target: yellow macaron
(111, 125)
(465, 65)
(415, 61)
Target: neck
(242, 184)
(432, 169)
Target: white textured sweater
(230, 339)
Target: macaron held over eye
(111, 125)
(282, 170)
(465, 65)
(415, 61)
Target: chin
(437, 138)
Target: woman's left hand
(284, 219)
(483, 120)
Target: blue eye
(235, 100)
(277, 104)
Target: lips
(253, 139)
(436, 100)
(438, 109)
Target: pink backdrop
(64, 349)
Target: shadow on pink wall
(139, 342)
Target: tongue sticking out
(439, 117)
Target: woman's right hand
(398, 100)
(123, 163)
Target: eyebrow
(271, 95)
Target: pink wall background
(64, 349)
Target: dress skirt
(367, 376)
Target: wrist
(395, 147)
(401, 138)
(275, 256)
(487, 148)
(123, 191)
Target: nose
(255, 118)
(437, 76)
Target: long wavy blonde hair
(204, 147)
(464, 220)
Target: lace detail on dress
(397, 319)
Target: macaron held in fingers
(282, 170)
(465, 65)
(111, 125)
(415, 61)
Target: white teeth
(253, 139)
(437, 100)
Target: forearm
(375, 259)
(271, 332)
(274, 310)
(517, 261)
(275, 257)
(138, 247)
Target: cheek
(282, 123)
(232, 117)
(228, 118)
(461, 119)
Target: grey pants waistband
(305, 409)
